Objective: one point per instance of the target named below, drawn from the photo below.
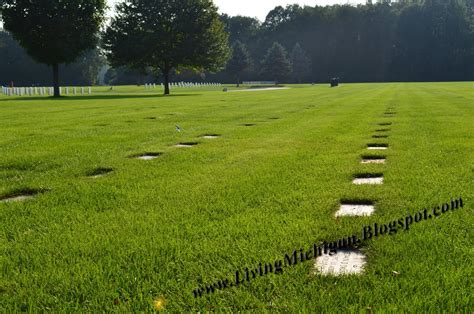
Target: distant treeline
(407, 40)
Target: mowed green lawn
(158, 229)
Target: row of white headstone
(43, 91)
(183, 85)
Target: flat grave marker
(377, 146)
(147, 156)
(186, 145)
(20, 196)
(373, 159)
(210, 136)
(368, 179)
(355, 209)
(344, 262)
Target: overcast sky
(260, 8)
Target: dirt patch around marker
(367, 175)
(274, 118)
(146, 156)
(356, 201)
(248, 124)
(344, 262)
(385, 123)
(150, 118)
(21, 195)
(99, 172)
(379, 136)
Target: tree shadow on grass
(95, 97)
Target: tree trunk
(166, 75)
(57, 92)
(238, 81)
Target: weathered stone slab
(344, 262)
(355, 210)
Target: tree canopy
(18, 67)
(276, 64)
(301, 64)
(162, 35)
(239, 62)
(55, 31)
(406, 40)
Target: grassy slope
(196, 215)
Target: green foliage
(54, 31)
(126, 76)
(372, 42)
(239, 62)
(276, 64)
(18, 67)
(301, 64)
(164, 34)
(241, 28)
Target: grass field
(156, 230)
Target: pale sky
(260, 8)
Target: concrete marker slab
(210, 136)
(344, 262)
(368, 180)
(147, 156)
(186, 144)
(21, 195)
(355, 208)
(373, 161)
(377, 146)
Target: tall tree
(241, 28)
(276, 64)
(54, 31)
(301, 63)
(163, 35)
(240, 61)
